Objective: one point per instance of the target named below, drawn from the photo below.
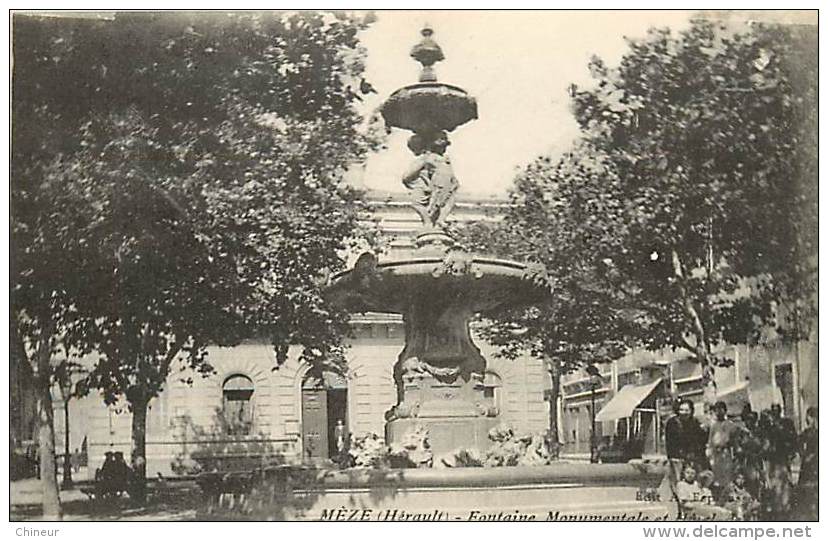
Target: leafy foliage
(177, 182)
(242, 123)
(686, 216)
(703, 211)
(585, 320)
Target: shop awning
(625, 401)
(490, 379)
(734, 396)
(737, 387)
(764, 397)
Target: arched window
(237, 405)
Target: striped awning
(625, 401)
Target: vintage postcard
(409, 266)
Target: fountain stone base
(455, 414)
(446, 435)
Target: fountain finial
(427, 53)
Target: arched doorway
(324, 415)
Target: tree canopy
(690, 197)
(209, 149)
(177, 181)
(707, 215)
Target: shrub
(413, 451)
(510, 449)
(368, 451)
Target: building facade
(635, 395)
(249, 413)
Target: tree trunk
(138, 488)
(701, 349)
(554, 393)
(46, 426)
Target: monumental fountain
(438, 288)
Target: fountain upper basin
(425, 107)
(478, 284)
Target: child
(688, 489)
(739, 500)
(696, 500)
(706, 486)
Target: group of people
(742, 467)
(114, 477)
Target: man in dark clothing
(807, 489)
(786, 444)
(105, 476)
(749, 452)
(781, 449)
(685, 440)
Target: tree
(212, 148)
(49, 269)
(704, 211)
(584, 321)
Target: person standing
(684, 441)
(781, 446)
(809, 445)
(720, 444)
(684, 437)
(340, 438)
(787, 445)
(807, 486)
(749, 453)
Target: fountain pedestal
(439, 374)
(450, 412)
(438, 290)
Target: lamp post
(594, 381)
(64, 374)
(66, 484)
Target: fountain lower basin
(557, 492)
(439, 373)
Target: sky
(517, 65)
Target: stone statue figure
(431, 178)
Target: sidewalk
(176, 503)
